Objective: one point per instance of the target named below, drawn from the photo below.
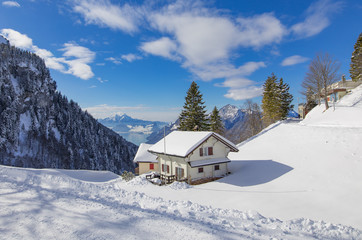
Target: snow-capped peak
(228, 112)
(117, 117)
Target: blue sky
(140, 57)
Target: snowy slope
(53, 204)
(310, 169)
(346, 113)
(304, 178)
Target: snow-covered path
(50, 204)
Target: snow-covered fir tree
(193, 116)
(356, 60)
(285, 98)
(216, 124)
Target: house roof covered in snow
(143, 155)
(182, 143)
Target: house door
(179, 173)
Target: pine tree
(277, 100)
(356, 60)
(216, 124)
(193, 116)
(271, 102)
(286, 99)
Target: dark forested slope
(41, 128)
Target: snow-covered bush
(127, 176)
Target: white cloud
(140, 112)
(131, 57)
(104, 13)
(236, 83)
(93, 86)
(78, 58)
(204, 41)
(114, 60)
(225, 70)
(204, 37)
(317, 18)
(17, 39)
(78, 52)
(101, 80)
(163, 47)
(244, 93)
(260, 30)
(10, 4)
(292, 60)
(75, 59)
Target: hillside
(294, 180)
(294, 169)
(41, 128)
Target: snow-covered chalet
(146, 161)
(192, 156)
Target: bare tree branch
(322, 73)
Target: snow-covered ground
(60, 204)
(295, 180)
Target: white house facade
(192, 156)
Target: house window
(210, 151)
(152, 166)
(201, 170)
(217, 167)
(206, 151)
(165, 168)
(179, 173)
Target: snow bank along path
(51, 204)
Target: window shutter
(168, 169)
(163, 167)
(182, 172)
(152, 166)
(210, 151)
(201, 152)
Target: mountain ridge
(41, 128)
(133, 129)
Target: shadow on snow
(253, 172)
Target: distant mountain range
(134, 130)
(230, 115)
(233, 118)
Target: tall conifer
(285, 99)
(356, 60)
(277, 100)
(270, 102)
(216, 124)
(193, 116)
